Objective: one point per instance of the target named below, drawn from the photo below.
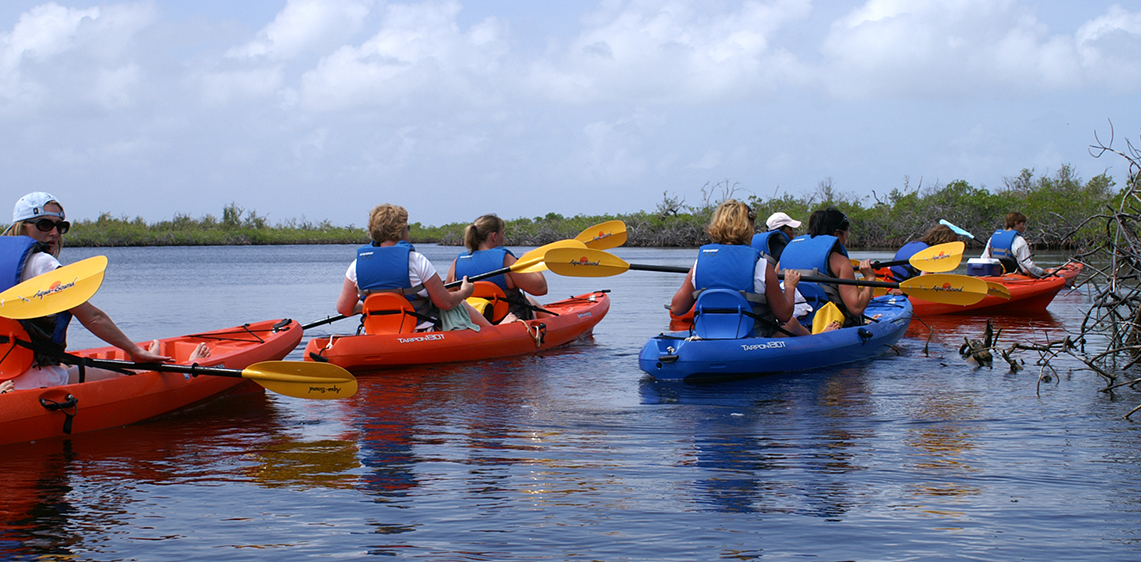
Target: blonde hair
(732, 223)
(478, 231)
(387, 223)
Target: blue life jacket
(385, 268)
(479, 262)
(50, 331)
(1002, 249)
(771, 244)
(732, 267)
(725, 266)
(906, 271)
(809, 255)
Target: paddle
(291, 378)
(604, 236)
(997, 290)
(957, 230)
(940, 258)
(55, 291)
(937, 287)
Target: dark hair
(826, 222)
(1013, 219)
(939, 234)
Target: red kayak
(35, 414)
(577, 317)
(1027, 295)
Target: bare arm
(451, 273)
(349, 301)
(534, 283)
(97, 322)
(778, 303)
(855, 298)
(683, 298)
(445, 299)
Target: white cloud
(306, 26)
(419, 57)
(1109, 47)
(952, 48)
(62, 56)
(672, 51)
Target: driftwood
(1114, 284)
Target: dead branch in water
(1114, 316)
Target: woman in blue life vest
(30, 247)
(731, 263)
(1011, 249)
(823, 252)
(485, 252)
(390, 264)
(940, 234)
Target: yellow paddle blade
(604, 236)
(322, 381)
(940, 258)
(997, 290)
(56, 291)
(826, 315)
(584, 263)
(946, 288)
(533, 261)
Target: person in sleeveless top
(484, 239)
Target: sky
(317, 110)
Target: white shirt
(1021, 252)
(419, 270)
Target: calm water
(576, 455)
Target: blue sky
(318, 110)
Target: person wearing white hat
(782, 228)
(29, 247)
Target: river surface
(576, 454)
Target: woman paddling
(389, 264)
(30, 247)
(731, 263)
(484, 240)
(823, 252)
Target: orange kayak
(35, 414)
(577, 317)
(1027, 294)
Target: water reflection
(88, 481)
(757, 459)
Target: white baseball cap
(780, 219)
(31, 206)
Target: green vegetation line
(1058, 207)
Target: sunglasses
(46, 225)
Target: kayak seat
(388, 313)
(723, 314)
(494, 295)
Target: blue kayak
(676, 356)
